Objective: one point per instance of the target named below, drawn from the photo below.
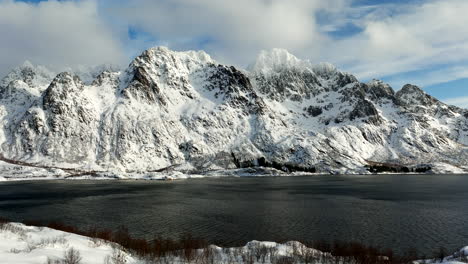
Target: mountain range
(183, 112)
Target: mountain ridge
(185, 111)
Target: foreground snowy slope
(21, 244)
(182, 111)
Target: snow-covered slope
(21, 244)
(183, 111)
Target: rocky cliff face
(184, 111)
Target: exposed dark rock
(413, 95)
(314, 110)
(294, 84)
(106, 77)
(378, 90)
(363, 108)
(59, 90)
(142, 87)
(263, 162)
(395, 168)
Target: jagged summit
(378, 90)
(411, 89)
(183, 111)
(413, 95)
(88, 74)
(276, 60)
(32, 75)
(325, 69)
(161, 55)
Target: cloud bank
(389, 38)
(56, 34)
(381, 40)
(459, 101)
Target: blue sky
(424, 42)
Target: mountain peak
(65, 80)
(275, 60)
(30, 74)
(161, 53)
(411, 89)
(378, 90)
(324, 68)
(414, 95)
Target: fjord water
(395, 211)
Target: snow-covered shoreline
(22, 244)
(14, 172)
(37, 245)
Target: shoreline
(197, 176)
(12, 170)
(21, 243)
(191, 177)
(214, 174)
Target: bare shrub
(72, 256)
(260, 252)
(30, 247)
(463, 257)
(117, 257)
(53, 261)
(440, 255)
(15, 229)
(3, 221)
(248, 256)
(15, 251)
(51, 241)
(283, 260)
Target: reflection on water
(397, 211)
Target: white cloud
(56, 34)
(458, 101)
(239, 29)
(432, 77)
(395, 38)
(419, 36)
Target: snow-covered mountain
(183, 111)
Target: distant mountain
(185, 112)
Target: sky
(423, 42)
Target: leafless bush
(51, 241)
(72, 256)
(117, 257)
(440, 255)
(247, 256)
(283, 260)
(15, 229)
(30, 247)
(261, 252)
(463, 257)
(207, 256)
(53, 261)
(3, 221)
(15, 251)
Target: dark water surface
(397, 211)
